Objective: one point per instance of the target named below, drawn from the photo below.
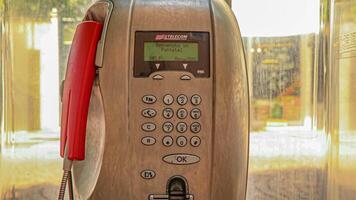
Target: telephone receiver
(86, 55)
(77, 89)
(146, 124)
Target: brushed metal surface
(229, 173)
(222, 172)
(101, 12)
(86, 172)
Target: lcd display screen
(171, 51)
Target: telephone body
(169, 111)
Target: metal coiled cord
(70, 186)
(67, 177)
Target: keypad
(195, 113)
(148, 127)
(182, 141)
(179, 120)
(182, 127)
(168, 113)
(148, 141)
(182, 99)
(149, 113)
(167, 141)
(149, 99)
(168, 99)
(196, 100)
(182, 113)
(195, 141)
(195, 127)
(168, 127)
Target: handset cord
(66, 178)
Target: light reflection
(290, 143)
(48, 34)
(263, 18)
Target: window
(287, 152)
(35, 38)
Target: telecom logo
(171, 37)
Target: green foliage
(40, 10)
(70, 8)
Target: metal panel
(222, 168)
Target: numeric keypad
(188, 127)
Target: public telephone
(155, 103)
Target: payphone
(168, 116)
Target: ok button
(181, 159)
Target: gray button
(195, 113)
(148, 141)
(182, 99)
(195, 127)
(182, 113)
(148, 127)
(168, 127)
(196, 100)
(167, 141)
(166, 197)
(149, 113)
(182, 127)
(168, 99)
(148, 174)
(168, 113)
(195, 141)
(159, 197)
(182, 141)
(185, 78)
(149, 99)
(158, 77)
(181, 159)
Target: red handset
(77, 89)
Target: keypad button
(167, 141)
(168, 99)
(148, 141)
(168, 113)
(182, 99)
(182, 127)
(182, 113)
(168, 127)
(195, 127)
(195, 113)
(195, 141)
(149, 113)
(148, 127)
(182, 141)
(196, 100)
(148, 174)
(149, 99)
(185, 78)
(181, 159)
(158, 77)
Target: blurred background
(301, 57)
